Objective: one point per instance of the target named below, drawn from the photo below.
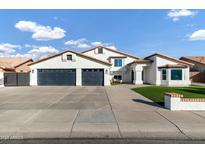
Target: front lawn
(156, 93)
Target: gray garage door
(92, 77)
(57, 77)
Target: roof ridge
(168, 57)
(65, 51)
(23, 62)
(113, 50)
(200, 61)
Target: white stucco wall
(154, 75)
(161, 62)
(150, 76)
(1, 79)
(175, 103)
(77, 63)
(114, 70)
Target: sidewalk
(197, 84)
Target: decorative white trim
(174, 101)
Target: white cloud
(44, 49)
(41, 52)
(198, 35)
(80, 43)
(84, 43)
(177, 14)
(35, 53)
(109, 45)
(96, 43)
(112, 47)
(7, 48)
(41, 32)
(30, 46)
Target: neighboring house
(102, 65)
(197, 70)
(13, 64)
(198, 61)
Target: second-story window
(118, 62)
(69, 57)
(100, 50)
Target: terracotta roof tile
(77, 53)
(11, 62)
(173, 66)
(141, 61)
(112, 50)
(169, 58)
(198, 59)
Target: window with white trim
(164, 74)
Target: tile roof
(112, 50)
(198, 59)
(77, 53)
(173, 66)
(169, 58)
(141, 61)
(117, 57)
(12, 62)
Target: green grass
(156, 93)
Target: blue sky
(38, 33)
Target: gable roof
(169, 58)
(141, 61)
(28, 60)
(197, 59)
(112, 50)
(10, 63)
(173, 66)
(77, 53)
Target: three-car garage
(67, 77)
(70, 69)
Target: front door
(132, 76)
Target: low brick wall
(175, 101)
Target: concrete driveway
(91, 112)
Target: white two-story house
(101, 66)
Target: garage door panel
(56, 77)
(93, 77)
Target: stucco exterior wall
(153, 74)
(124, 71)
(161, 62)
(150, 76)
(147, 74)
(1, 79)
(178, 103)
(77, 63)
